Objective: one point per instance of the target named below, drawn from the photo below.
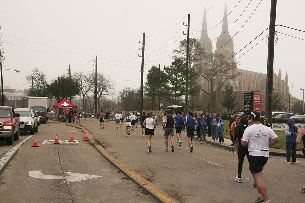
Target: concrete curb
(11, 153)
(157, 193)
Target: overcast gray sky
(50, 35)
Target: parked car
(276, 113)
(28, 120)
(9, 124)
(284, 115)
(41, 112)
(298, 117)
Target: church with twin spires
(246, 81)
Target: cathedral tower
(224, 44)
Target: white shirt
(258, 137)
(133, 117)
(117, 116)
(150, 123)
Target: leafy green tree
(277, 103)
(156, 86)
(195, 52)
(176, 80)
(130, 99)
(63, 88)
(38, 82)
(229, 99)
(298, 107)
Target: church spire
(225, 26)
(204, 31)
(205, 41)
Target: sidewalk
(227, 146)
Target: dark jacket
(240, 129)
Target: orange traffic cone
(35, 142)
(71, 138)
(85, 137)
(56, 139)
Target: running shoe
(166, 150)
(239, 180)
(200, 142)
(177, 142)
(173, 149)
(148, 150)
(191, 149)
(180, 143)
(259, 199)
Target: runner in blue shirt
(190, 127)
(179, 123)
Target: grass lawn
(281, 134)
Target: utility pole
(159, 87)
(303, 97)
(187, 61)
(95, 89)
(269, 85)
(69, 73)
(2, 95)
(142, 71)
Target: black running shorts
(178, 129)
(190, 132)
(149, 131)
(257, 163)
(133, 122)
(169, 131)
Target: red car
(9, 124)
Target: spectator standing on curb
(179, 123)
(291, 139)
(209, 122)
(266, 123)
(203, 129)
(301, 137)
(149, 124)
(142, 123)
(213, 130)
(169, 131)
(232, 129)
(232, 120)
(258, 138)
(190, 128)
(219, 129)
(242, 150)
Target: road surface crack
(65, 177)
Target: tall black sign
(248, 102)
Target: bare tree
(217, 71)
(84, 85)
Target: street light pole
(302, 89)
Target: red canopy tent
(64, 104)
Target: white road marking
(75, 142)
(9, 155)
(208, 161)
(69, 176)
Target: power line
(288, 35)
(285, 26)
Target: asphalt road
(205, 175)
(64, 172)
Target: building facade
(245, 81)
